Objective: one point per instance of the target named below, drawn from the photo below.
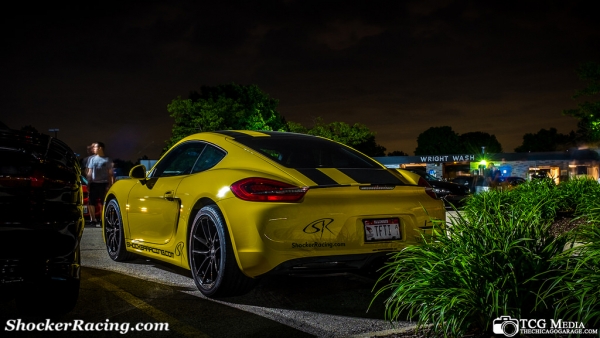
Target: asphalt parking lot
(147, 291)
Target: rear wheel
(212, 261)
(51, 296)
(113, 233)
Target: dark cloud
(106, 71)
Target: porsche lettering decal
(156, 251)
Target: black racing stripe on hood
(372, 176)
(317, 176)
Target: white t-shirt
(100, 167)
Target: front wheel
(212, 261)
(113, 233)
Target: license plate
(85, 209)
(383, 229)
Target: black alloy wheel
(113, 233)
(212, 261)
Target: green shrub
(479, 268)
(500, 258)
(573, 286)
(538, 192)
(575, 195)
(581, 195)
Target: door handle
(169, 195)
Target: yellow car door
(154, 210)
(153, 206)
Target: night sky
(106, 71)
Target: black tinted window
(209, 158)
(180, 160)
(298, 151)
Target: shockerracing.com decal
(329, 245)
(156, 251)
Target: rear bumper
(15, 272)
(37, 253)
(330, 264)
(326, 225)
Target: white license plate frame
(382, 229)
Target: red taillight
(34, 180)
(428, 189)
(264, 190)
(37, 179)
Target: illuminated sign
(447, 158)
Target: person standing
(100, 178)
(85, 160)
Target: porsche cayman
(232, 206)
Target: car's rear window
(298, 151)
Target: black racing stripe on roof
(372, 176)
(317, 176)
(236, 134)
(231, 133)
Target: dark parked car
(475, 184)
(511, 182)
(452, 194)
(41, 222)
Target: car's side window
(208, 159)
(180, 160)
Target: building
(558, 165)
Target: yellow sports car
(232, 206)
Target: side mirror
(138, 172)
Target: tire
(50, 297)
(212, 261)
(113, 233)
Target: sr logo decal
(179, 249)
(319, 225)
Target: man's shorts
(97, 191)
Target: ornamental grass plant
(579, 196)
(499, 257)
(574, 283)
(572, 286)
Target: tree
(397, 153)
(224, 107)
(443, 140)
(438, 140)
(371, 148)
(471, 143)
(295, 127)
(233, 107)
(588, 112)
(546, 140)
(357, 136)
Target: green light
(483, 162)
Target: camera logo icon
(506, 325)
